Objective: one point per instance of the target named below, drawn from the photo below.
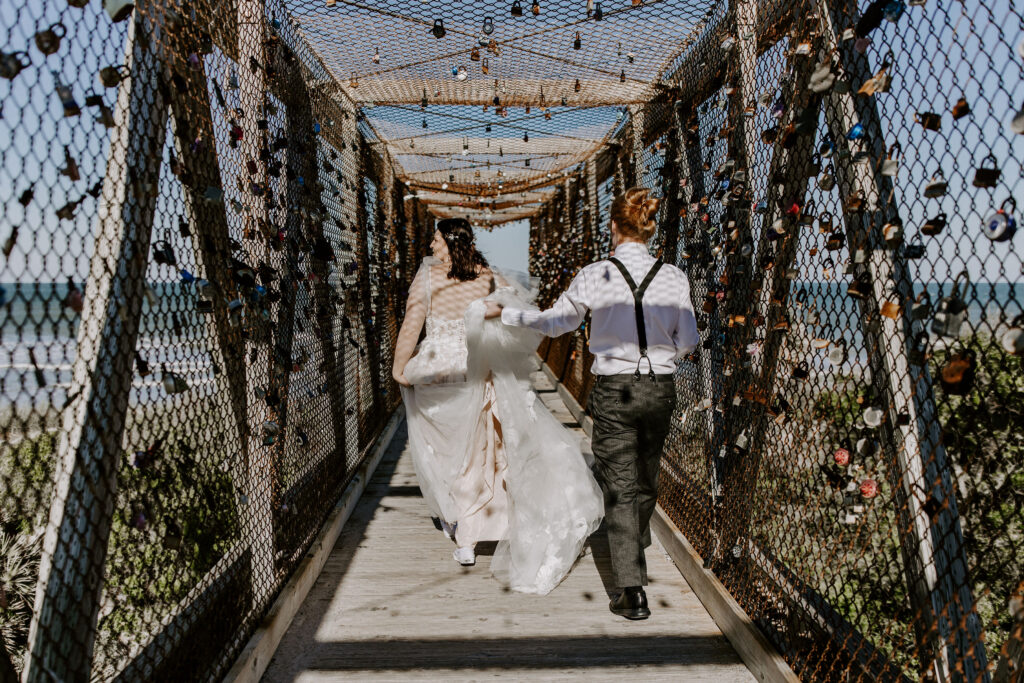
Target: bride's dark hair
(466, 258)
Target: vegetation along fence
(205, 256)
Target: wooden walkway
(392, 604)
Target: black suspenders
(638, 309)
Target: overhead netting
(490, 102)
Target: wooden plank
(75, 542)
(371, 617)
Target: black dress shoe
(631, 603)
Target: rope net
(212, 212)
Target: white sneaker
(448, 530)
(465, 556)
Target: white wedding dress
(488, 453)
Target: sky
(506, 246)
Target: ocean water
(33, 317)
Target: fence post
(949, 629)
(300, 122)
(258, 520)
(207, 224)
(75, 543)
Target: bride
(493, 464)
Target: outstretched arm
(415, 314)
(565, 316)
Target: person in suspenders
(637, 333)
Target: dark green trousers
(631, 421)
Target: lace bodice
(448, 329)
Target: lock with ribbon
(987, 175)
(1002, 225)
(958, 373)
(951, 311)
(936, 187)
(935, 225)
(890, 164)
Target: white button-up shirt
(600, 287)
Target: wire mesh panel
(190, 285)
(844, 456)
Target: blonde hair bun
(633, 212)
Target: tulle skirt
(489, 451)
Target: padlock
(1013, 339)
(173, 383)
(917, 353)
(958, 373)
(892, 232)
(936, 186)
(860, 287)
(935, 225)
(517, 9)
(922, 307)
(801, 370)
(914, 250)
(890, 165)
(960, 109)
(951, 311)
(881, 81)
(825, 221)
(891, 310)
(835, 240)
(438, 29)
(987, 176)
(841, 456)
(823, 77)
(826, 181)
(838, 353)
(928, 120)
(855, 202)
(163, 253)
(1002, 225)
(807, 213)
(874, 416)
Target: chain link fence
(202, 264)
(839, 184)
